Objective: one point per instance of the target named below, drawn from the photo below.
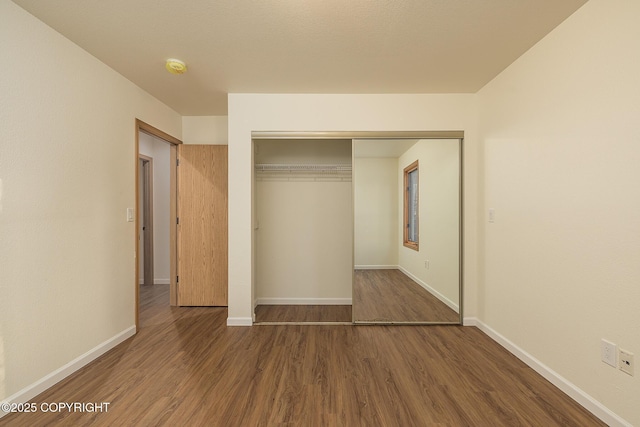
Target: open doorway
(156, 257)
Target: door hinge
(177, 220)
(177, 162)
(177, 279)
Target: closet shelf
(302, 168)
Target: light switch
(129, 214)
(492, 215)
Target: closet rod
(326, 168)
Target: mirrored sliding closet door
(407, 231)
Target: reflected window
(411, 206)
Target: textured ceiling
(303, 46)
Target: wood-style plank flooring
(185, 367)
(392, 296)
(303, 313)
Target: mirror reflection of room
(406, 231)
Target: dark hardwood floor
(392, 296)
(303, 313)
(185, 367)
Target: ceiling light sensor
(175, 66)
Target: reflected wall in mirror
(395, 282)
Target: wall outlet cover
(492, 215)
(626, 362)
(609, 353)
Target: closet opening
(303, 231)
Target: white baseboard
(304, 301)
(469, 321)
(59, 374)
(156, 282)
(375, 267)
(451, 304)
(588, 402)
(239, 321)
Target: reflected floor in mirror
(392, 296)
(303, 313)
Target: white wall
(561, 148)
(261, 112)
(304, 242)
(375, 205)
(207, 130)
(67, 162)
(160, 152)
(303, 151)
(439, 211)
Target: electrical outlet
(492, 215)
(609, 353)
(626, 362)
(426, 264)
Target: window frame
(413, 167)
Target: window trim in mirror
(411, 220)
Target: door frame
(173, 142)
(147, 215)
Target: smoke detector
(175, 66)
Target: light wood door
(202, 225)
